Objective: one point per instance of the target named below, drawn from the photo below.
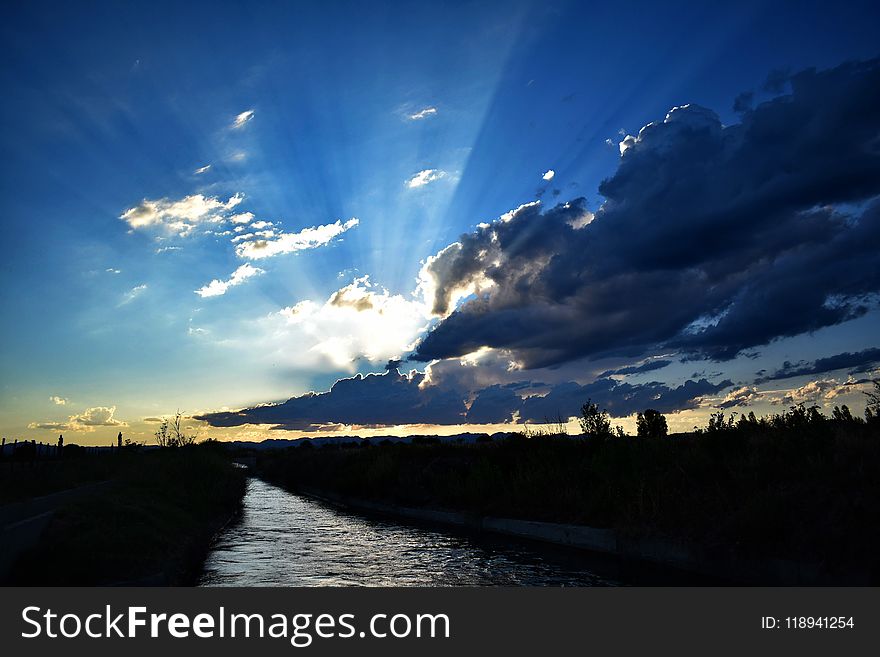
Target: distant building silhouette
(119, 440)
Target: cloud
(111, 270)
(743, 102)
(388, 398)
(743, 396)
(857, 362)
(392, 398)
(218, 287)
(242, 218)
(650, 366)
(619, 399)
(202, 170)
(58, 401)
(179, 216)
(712, 239)
(359, 320)
(821, 390)
(776, 81)
(97, 416)
(242, 119)
(424, 177)
(307, 238)
(423, 114)
(133, 294)
(548, 175)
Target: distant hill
(319, 441)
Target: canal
(283, 539)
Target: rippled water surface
(283, 539)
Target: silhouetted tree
(594, 422)
(718, 422)
(651, 424)
(171, 434)
(872, 409)
(843, 415)
(747, 421)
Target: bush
(594, 422)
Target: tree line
(650, 423)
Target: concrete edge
(721, 564)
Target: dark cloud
(857, 362)
(743, 102)
(776, 81)
(498, 403)
(712, 239)
(650, 366)
(619, 399)
(391, 398)
(374, 399)
(493, 405)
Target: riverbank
(772, 507)
(152, 523)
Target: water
(284, 539)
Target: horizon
(283, 226)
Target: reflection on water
(286, 540)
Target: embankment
(774, 508)
(151, 523)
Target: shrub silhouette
(594, 422)
(171, 434)
(651, 424)
(872, 409)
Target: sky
(289, 219)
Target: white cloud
(359, 320)
(548, 175)
(97, 416)
(241, 218)
(242, 119)
(423, 114)
(424, 177)
(178, 216)
(58, 401)
(133, 294)
(260, 225)
(111, 270)
(821, 390)
(201, 170)
(308, 238)
(218, 287)
(743, 396)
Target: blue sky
(419, 120)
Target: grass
(154, 525)
(22, 480)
